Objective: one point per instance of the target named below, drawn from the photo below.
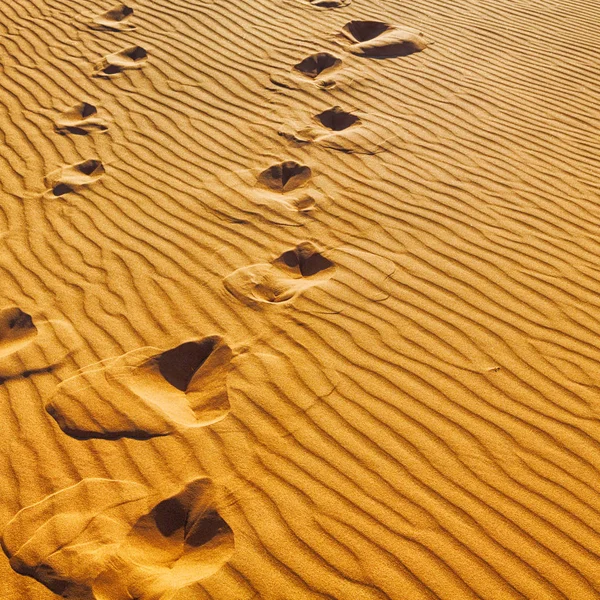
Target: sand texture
(299, 300)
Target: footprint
(279, 181)
(339, 129)
(16, 330)
(129, 58)
(285, 176)
(115, 19)
(330, 3)
(80, 119)
(146, 392)
(64, 540)
(375, 39)
(321, 69)
(110, 539)
(284, 193)
(337, 119)
(28, 347)
(316, 64)
(74, 177)
(180, 542)
(320, 278)
(282, 279)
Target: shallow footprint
(133, 57)
(16, 330)
(284, 185)
(282, 279)
(80, 119)
(339, 129)
(181, 541)
(64, 540)
(375, 39)
(74, 177)
(115, 19)
(285, 193)
(146, 392)
(306, 276)
(28, 347)
(321, 69)
(110, 539)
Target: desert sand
(300, 299)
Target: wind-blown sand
(299, 299)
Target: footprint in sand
(284, 193)
(127, 59)
(328, 279)
(16, 330)
(180, 542)
(339, 129)
(318, 66)
(81, 119)
(74, 177)
(110, 539)
(282, 279)
(285, 176)
(330, 3)
(375, 39)
(321, 69)
(146, 392)
(27, 348)
(285, 186)
(115, 19)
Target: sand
(299, 300)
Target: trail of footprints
(129, 542)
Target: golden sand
(300, 300)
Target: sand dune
(299, 300)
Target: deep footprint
(180, 542)
(375, 39)
(283, 279)
(111, 539)
(80, 119)
(330, 3)
(16, 330)
(115, 19)
(129, 58)
(146, 392)
(337, 119)
(315, 65)
(74, 177)
(285, 176)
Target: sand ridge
(299, 299)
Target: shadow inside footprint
(129, 58)
(73, 177)
(146, 392)
(16, 330)
(337, 119)
(305, 260)
(80, 119)
(101, 539)
(283, 279)
(114, 19)
(285, 176)
(375, 39)
(316, 64)
(330, 3)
